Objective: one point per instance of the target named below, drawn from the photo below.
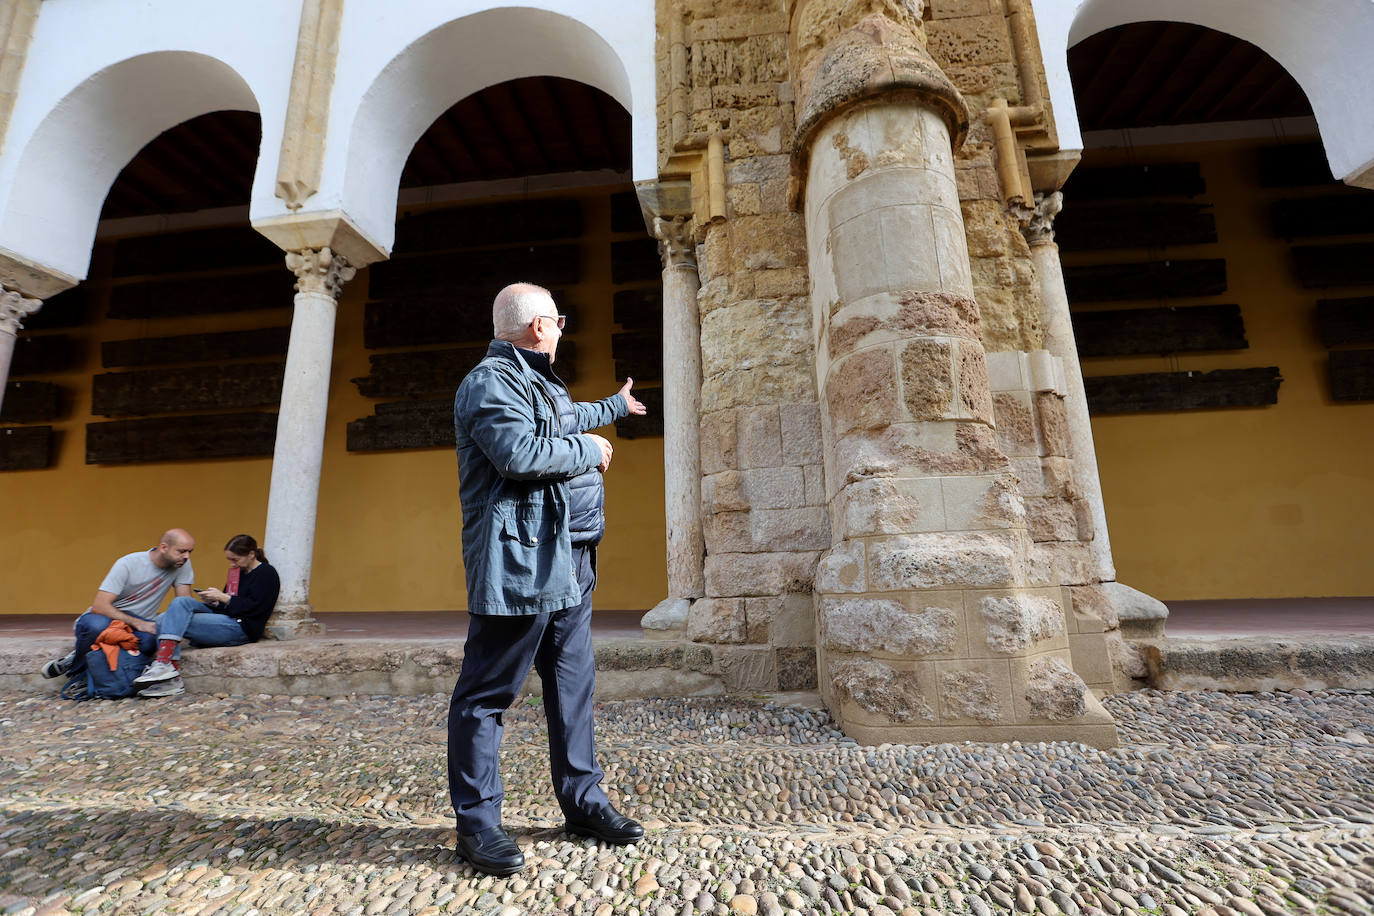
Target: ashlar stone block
(716, 620)
(890, 505)
(871, 626)
(1014, 623)
(841, 569)
(927, 379)
(1053, 691)
(877, 692)
(934, 561)
(861, 391)
(975, 691)
(984, 501)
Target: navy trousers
(496, 661)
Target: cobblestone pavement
(1216, 804)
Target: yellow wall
(388, 530)
(1239, 503)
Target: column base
(668, 619)
(293, 623)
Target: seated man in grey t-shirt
(132, 592)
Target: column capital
(319, 271)
(1040, 230)
(14, 308)
(675, 243)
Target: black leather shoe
(491, 851)
(607, 825)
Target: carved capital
(1040, 229)
(14, 308)
(675, 242)
(319, 271)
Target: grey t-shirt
(139, 584)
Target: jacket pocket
(532, 529)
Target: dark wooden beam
(638, 354)
(432, 275)
(638, 309)
(1134, 224)
(1350, 264)
(1172, 391)
(489, 224)
(175, 298)
(1126, 332)
(1293, 165)
(25, 448)
(1352, 375)
(31, 402)
(430, 373)
(1126, 182)
(1329, 214)
(650, 424)
(199, 250)
(220, 435)
(1345, 321)
(635, 260)
(1173, 279)
(43, 354)
(170, 390)
(195, 348)
(416, 424)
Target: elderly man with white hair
(530, 484)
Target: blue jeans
(90, 625)
(186, 618)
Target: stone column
(681, 422)
(14, 308)
(934, 624)
(1059, 340)
(290, 540)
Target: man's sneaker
(157, 671)
(172, 688)
(59, 666)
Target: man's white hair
(515, 307)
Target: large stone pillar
(296, 459)
(14, 308)
(1059, 340)
(934, 624)
(681, 422)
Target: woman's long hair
(240, 545)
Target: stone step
(1259, 663)
(626, 668)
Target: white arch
(454, 60)
(70, 161)
(1323, 44)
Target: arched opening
(1224, 312)
(159, 374)
(526, 179)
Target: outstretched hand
(635, 404)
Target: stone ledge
(626, 668)
(1261, 663)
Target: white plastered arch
(1323, 44)
(71, 159)
(462, 56)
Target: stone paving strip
(1216, 804)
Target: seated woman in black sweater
(231, 617)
